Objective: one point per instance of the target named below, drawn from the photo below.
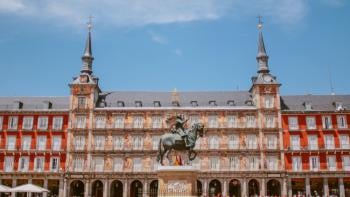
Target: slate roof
(34, 103)
(221, 98)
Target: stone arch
(77, 188)
(136, 188)
(214, 187)
(234, 188)
(116, 189)
(253, 188)
(199, 188)
(273, 188)
(153, 188)
(97, 189)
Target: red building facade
(33, 137)
(317, 146)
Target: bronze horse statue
(170, 141)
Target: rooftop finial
(262, 57)
(260, 23)
(87, 56)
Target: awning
(4, 189)
(28, 188)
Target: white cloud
(157, 37)
(11, 5)
(178, 52)
(146, 12)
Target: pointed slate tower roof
(262, 58)
(87, 57)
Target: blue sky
(159, 45)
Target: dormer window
(339, 106)
(17, 105)
(212, 103)
(308, 105)
(81, 102)
(231, 103)
(175, 103)
(120, 104)
(47, 105)
(194, 103)
(156, 104)
(138, 103)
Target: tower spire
(87, 57)
(262, 58)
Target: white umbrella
(29, 188)
(4, 189)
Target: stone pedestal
(177, 181)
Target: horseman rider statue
(179, 129)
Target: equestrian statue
(179, 138)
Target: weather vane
(260, 23)
(89, 24)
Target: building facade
(256, 142)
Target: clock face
(267, 78)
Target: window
(98, 164)
(79, 142)
(118, 164)
(1, 121)
(344, 141)
(213, 142)
(11, 142)
(81, 102)
(250, 121)
(329, 141)
(54, 164)
(23, 164)
(194, 119)
(39, 164)
(137, 142)
(233, 142)
(313, 144)
(272, 162)
(297, 165)
(137, 165)
(295, 142)
(42, 123)
(231, 121)
(327, 122)
(214, 163)
(331, 163)
(57, 123)
(138, 121)
(27, 123)
(78, 164)
(99, 142)
(100, 122)
(13, 120)
(118, 142)
(253, 162)
(157, 122)
(213, 121)
(310, 122)
(26, 142)
(119, 121)
(269, 121)
(155, 142)
(41, 142)
(271, 141)
(234, 163)
(251, 141)
(341, 121)
(80, 122)
(8, 164)
(314, 163)
(269, 101)
(346, 162)
(293, 123)
(56, 143)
